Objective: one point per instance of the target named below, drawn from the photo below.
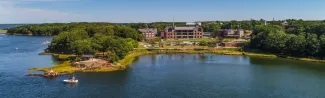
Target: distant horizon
(153, 22)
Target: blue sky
(39, 11)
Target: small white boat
(70, 81)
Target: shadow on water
(136, 59)
(153, 59)
(71, 85)
(116, 77)
(203, 57)
(282, 62)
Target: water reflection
(287, 63)
(182, 57)
(202, 58)
(154, 59)
(71, 85)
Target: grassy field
(63, 57)
(64, 67)
(131, 57)
(3, 31)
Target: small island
(104, 47)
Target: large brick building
(149, 33)
(190, 31)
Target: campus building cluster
(189, 31)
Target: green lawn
(3, 31)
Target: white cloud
(11, 13)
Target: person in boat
(73, 79)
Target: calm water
(161, 76)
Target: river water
(161, 76)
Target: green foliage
(212, 44)
(227, 40)
(291, 38)
(113, 58)
(92, 29)
(132, 43)
(261, 33)
(157, 40)
(100, 30)
(154, 41)
(138, 25)
(86, 38)
(313, 45)
(203, 43)
(276, 42)
(127, 32)
(322, 45)
(118, 46)
(295, 44)
(40, 29)
(217, 39)
(82, 47)
(212, 27)
(62, 42)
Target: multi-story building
(230, 33)
(190, 31)
(149, 33)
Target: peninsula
(101, 47)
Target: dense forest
(86, 38)
(294, 38)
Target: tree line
(86, 38)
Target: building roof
(185, 28)
(153, 30)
